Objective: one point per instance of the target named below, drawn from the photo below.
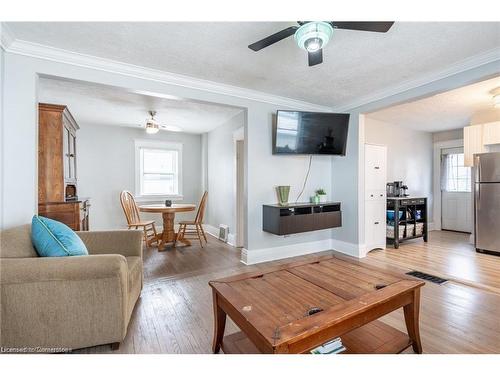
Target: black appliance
(310, 133)
(397, 189)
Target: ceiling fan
(313, 36)
(153, 127)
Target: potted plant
(321, 193)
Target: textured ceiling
(105, 105)
(449, 110)
(355, 63)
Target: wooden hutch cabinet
(57, 178)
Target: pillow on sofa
(52, 238)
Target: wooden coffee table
(272, 308)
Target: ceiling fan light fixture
(152, 127)
(312, 36)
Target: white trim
(41, 51)
(214, 232)
(6, 36)
(281, 252)
(436, 178)
(140, 143)
(21, 47)
(459, 67)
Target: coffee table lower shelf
(373, 338)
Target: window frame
(454, 152)
(158, 145)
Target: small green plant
(321, 191)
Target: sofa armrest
(40, 269)
(124, 242)
(63, 302)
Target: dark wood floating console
(300, 217)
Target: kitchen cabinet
(491, 133)
(375, 196)
(473, 143)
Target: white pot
(322, 198)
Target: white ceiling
(356, 63)
(106, 105)
(449, 110)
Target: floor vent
(427, 277)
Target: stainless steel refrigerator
(487, 202)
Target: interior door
(456, 195)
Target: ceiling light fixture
(313, 36)
(152, 126)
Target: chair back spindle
(129, 207)
(201, 209)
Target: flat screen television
(310, 133)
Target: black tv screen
(310, 133)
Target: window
(457, 178)
(158, 169)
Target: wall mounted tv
(310, 133)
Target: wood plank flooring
(174, 313)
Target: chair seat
(187, 222)
(141, 223)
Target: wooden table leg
(219, 324)
(168, 234)
(412, 313)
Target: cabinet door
(66, 152)
(375, 167)
(375, 226)
(72, 156)
(473, 143)
(491, 133)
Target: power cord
(305, 180)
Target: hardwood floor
(174, 313)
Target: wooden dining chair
(194, 229)
(134, 220)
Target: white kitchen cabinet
(491, 133)
(473, 143)
(375, 196)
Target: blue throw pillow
(52, 238)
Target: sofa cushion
(134, 281)
(16, 242)
(52, 238)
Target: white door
(456, 195)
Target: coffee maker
(396, 189)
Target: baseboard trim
(214, 232)
(249, 257)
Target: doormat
(427, 277)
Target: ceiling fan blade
(315, 58)
(379, 27)
(271, 39)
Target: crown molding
(21, 47)
(25, 48)
(472, 62)
(6, 36)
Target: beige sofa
(68, 302)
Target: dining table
(168, 234)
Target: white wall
(263, 170)
(221, 172)
(2, 53)
(343, 176)
(409, 156)
(106, 166)
(448, 135)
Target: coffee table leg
(219, 324)
(412, 312)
